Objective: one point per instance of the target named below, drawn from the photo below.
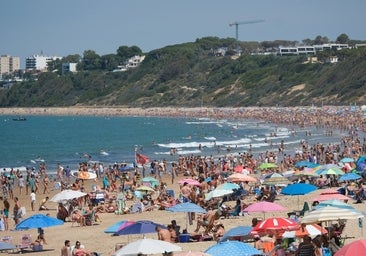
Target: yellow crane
(237, 23)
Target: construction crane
(237, 23)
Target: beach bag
(326, 251)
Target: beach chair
(9, 240)
(25, 242)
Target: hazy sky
(67, 27)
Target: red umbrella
(273, 225)
(353, 248)
(264, 207)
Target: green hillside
(192, 74)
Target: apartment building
(39, 62)
(9, 64)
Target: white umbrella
(330, 213)
(67, 194)
(147, 246)
(218, 193)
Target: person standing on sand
(6, 213)
(33, 199)
(16, 210)
(65, 250)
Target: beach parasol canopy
(272, 225)
(186, 207)
(66, 195)
(353, 248)
(38, 221)
(218, 193)
(349, 176)
(228, 186)
(334, 203)
(145, 189)
(298, 189)
(300, 164)
(147, 246)
(118, 226)
(276, 179)
(264, 166)
(140, 227)
(330, 213)
(264, 207)
(241, 177)
(151, 180)
(240, 231)
(347, 160)
(232, 248)
(190, 182)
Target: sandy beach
(94, 238)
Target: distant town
(10, 65)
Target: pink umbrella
(326, 197)
(273, 225)
(353, 248)
(264, 207)
(190, 182)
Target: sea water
(69, 140)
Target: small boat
(20, 119)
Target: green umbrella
(267, 166)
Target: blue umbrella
(239, 231)
(349, 176)
(347, 160)
(305, 164)
(298, 189)
(38, 221)
(140, 227)
(232, 248)
(186, 207)
(228, 186)
(335, 203)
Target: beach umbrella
(347, 160)
(190, 182)
(264, 166)
(118, 226)
(273, 225)
(228, 186)
(330, 213)
(4, 246)
(38, 221)
(309, 164)
(232, 248)
(240, 231)
(325, 197)
(264, 207)
(140, 227)
(334, 203)
(186, 207)
(147, 246)
(353, 248)
(218, 193)
(331, 171)
(298, 189)
(349, 176)
(151, 180)
(276, 179)
(241, 177)
(311, 230)
(66, 195)
(145, 189)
